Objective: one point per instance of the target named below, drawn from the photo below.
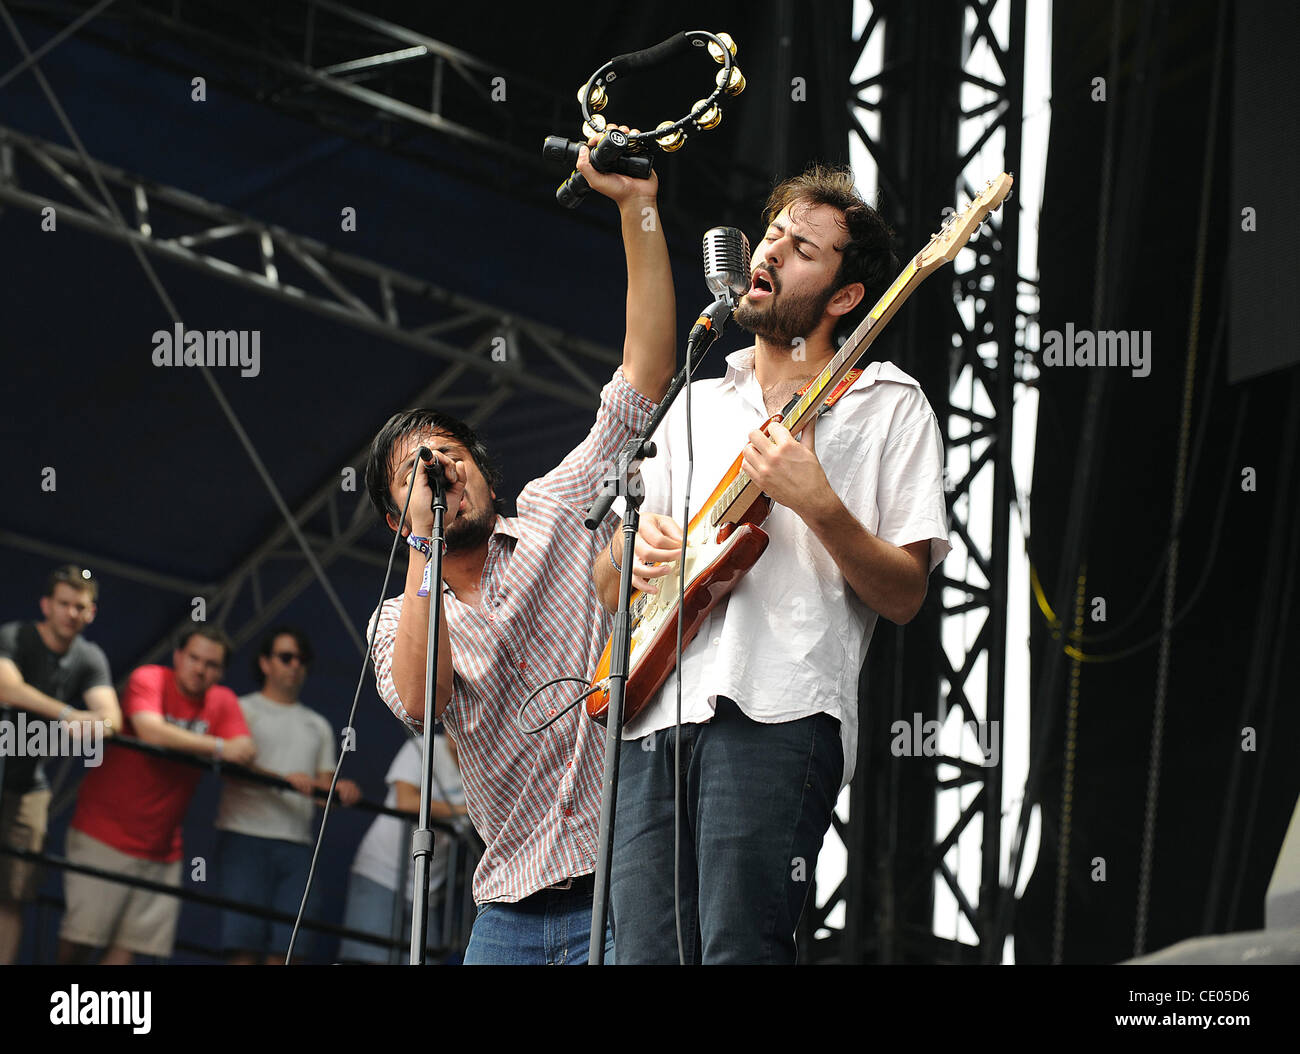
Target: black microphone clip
(711, 322)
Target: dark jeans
(756, 803)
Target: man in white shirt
(265, 834)
(385, 854)
(769, 684)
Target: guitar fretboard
(832, 373)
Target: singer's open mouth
(761, 286)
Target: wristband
(423, 545)
(68, 709)
(611, 554)
(217, 754)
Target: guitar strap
(831, 399)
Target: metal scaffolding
(485, 347)
(180, 227)
(389, 85)
(937, 126)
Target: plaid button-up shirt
(534, 799)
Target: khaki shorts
(113, 915)
(22, 826)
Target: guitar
(725, 539)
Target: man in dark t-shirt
(49, 675)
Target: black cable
(519, 715)
(356, 697)
(1215, 533)
(677, 725)
(1157, 573)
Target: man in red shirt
(130, 809)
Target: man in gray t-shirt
(265, 834)
(48, 674)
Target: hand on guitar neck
(787, 469)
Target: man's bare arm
(649, 347)
(889, 579)
(411, 646)
(152, 728)
(15, 691)
(102, 702)
(408, 800)
(657, 546)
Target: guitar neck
(735, 501)
(855, 348)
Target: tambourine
(621, 152)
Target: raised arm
(649, 347)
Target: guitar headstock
(959, 226)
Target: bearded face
(781, 315)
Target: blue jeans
(266, 873)
(549, 928)
(756, 803)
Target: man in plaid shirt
(520, 608)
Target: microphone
(434, 469)
(604, 157)
(726, 263)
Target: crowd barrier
(464, 850)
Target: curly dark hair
(868, 255)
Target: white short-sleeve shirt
(790, 640)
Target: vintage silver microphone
(726, 263)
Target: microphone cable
(677, 725)
(350, 727)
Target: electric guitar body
(717, 556)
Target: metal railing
(464, 850)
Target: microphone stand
(422, 839)
(626, 480)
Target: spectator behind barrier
(47, 671)
(130, 809)
(385, 851)
(265, 835)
